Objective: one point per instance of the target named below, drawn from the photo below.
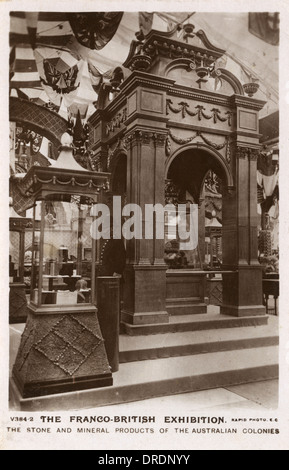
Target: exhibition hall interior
(112, 114)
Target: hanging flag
(18, 29)
(31, 23)
(97, 78)
(265, 26)
(24, 73)
(23, 70)
(95, 30)
(12, 58)
(145, 21)
(53, 29)
(59, 72)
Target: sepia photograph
(145, 216)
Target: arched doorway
(198, 176)
(188, 172)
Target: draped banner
(265, 26)
(267, 181)
(94, 30)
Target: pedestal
(61, 352)
(144, 295)
(242, 292)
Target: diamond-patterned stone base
(61, 353)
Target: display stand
(62, 347)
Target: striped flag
(23, 70)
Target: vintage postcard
(144, 228)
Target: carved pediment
(184, 55)
(181, 42)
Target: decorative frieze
(146, 137)
(184, 109)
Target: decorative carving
(216, 116)
(241, 153)
(253, 154)
(141, 60)
(251, 88)
(159, 139)
(184, 109)
(68, 344)
(213, 183)
(95, 162)
(213, 144)
(181, 141)
(247, 152)
(120, 145)
(116, 122)
(201, 114)
(199, 134)
(172, 193)
(228, 150)
(168, 146)
(145, 137)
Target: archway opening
(196, 176)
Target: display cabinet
(62, 347)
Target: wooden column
(242, 289)
(145, 274)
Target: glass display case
(18, 226)
(63, 252)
